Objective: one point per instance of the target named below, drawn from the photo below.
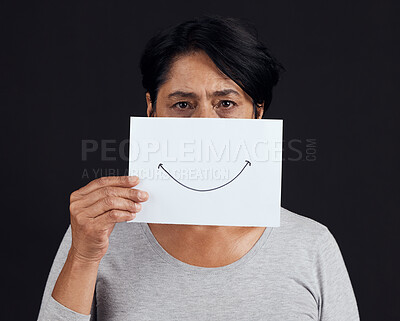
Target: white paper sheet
(208, 171)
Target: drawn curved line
(204, 190)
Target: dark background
(70, 73)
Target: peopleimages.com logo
(109, 150)
(205, 150)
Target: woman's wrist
(81, 261)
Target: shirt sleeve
(337, 301)
(50, 309)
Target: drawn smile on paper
(203, 190)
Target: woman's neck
(206, 245)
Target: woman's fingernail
(138, 206)
(133, 179)
(142, 195)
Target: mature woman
(208, 67)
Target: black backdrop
(70, 73)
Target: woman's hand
(95, 208)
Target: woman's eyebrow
(218, 93)
(225, 92)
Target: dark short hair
(233, 46)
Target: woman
(208, 67)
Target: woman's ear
(150, 109)
(260, 110)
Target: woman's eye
(182, 104)
(227, 103)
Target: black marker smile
(204, 190)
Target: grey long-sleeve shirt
(293, 272)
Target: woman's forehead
(197, 72)
(197, 64)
